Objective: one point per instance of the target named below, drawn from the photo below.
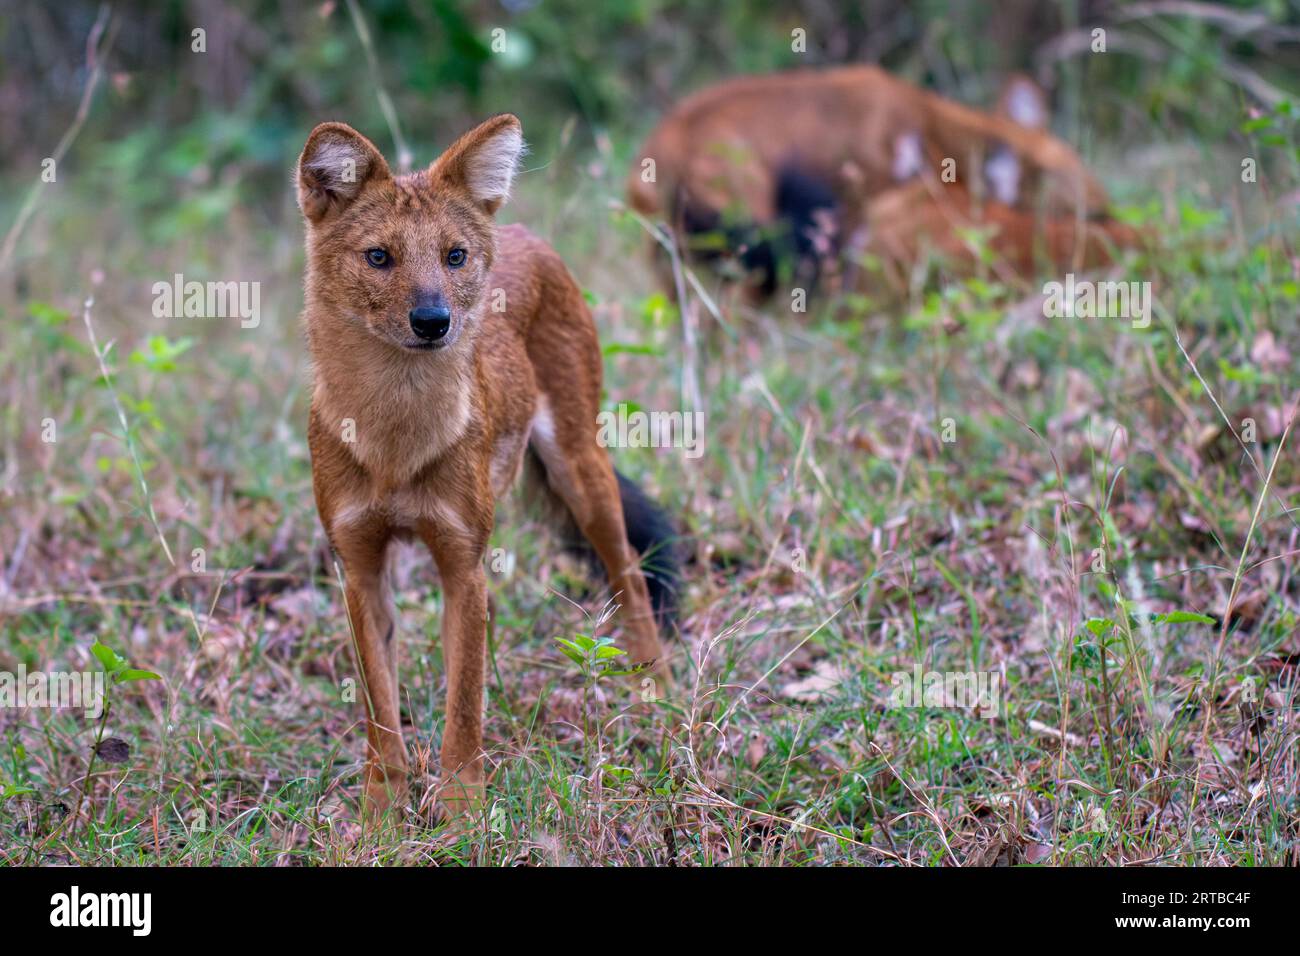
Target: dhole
(445, 352)
(927, 217)
(772, 161)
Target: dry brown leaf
(1038, 852)
(825, 676)
(1269, 353)
(113, 750)
(1038, 727)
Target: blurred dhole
(812, 165)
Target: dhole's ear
(336, 162)
(483, 162)
(909, 157)
(1023, 102)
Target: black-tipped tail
(651, 532)
(648, 526)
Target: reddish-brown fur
(723, 147)
(440, 433)
(929, 218)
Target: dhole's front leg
(459, 555)
(362, 549)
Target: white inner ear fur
(1024, 105)
(490, 168)
(1002, 170)
(338, 167)
(907, 156)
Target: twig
(385, 103)
(126, 429)
(665, 239)
(1236, 22)
(94, 58)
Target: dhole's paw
(456, 804)
(460, 797)
(386, 795)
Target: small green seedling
(116, 666)
(595, 658)
(119, 672)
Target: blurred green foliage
(180, 134)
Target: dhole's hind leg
(579, 471)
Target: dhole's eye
(456, 258)
(377, 257)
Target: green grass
(836, 539)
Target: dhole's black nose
(431, 322)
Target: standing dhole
(445, 353)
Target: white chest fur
(405, 504)
(395, 435)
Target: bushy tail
(649, 530)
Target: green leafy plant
(159, 353)
(595, 658)
(1108, 649)
(8, 790)
(116, 666)
(118, 671)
